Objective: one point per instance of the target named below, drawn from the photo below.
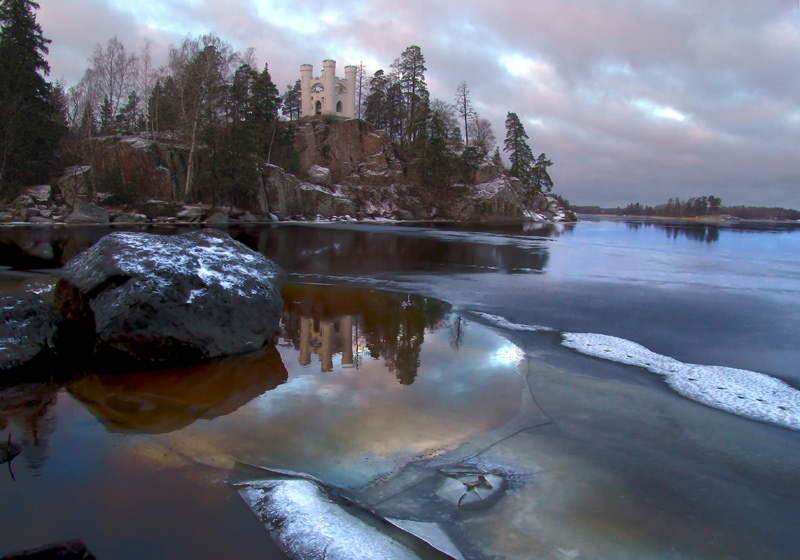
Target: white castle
(327, 94)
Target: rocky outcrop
(28, 329)
(286, 196)
(177, 298)
(353, 152)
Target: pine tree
(292, 102)
(411, 67)
(29, 130)
(519, 153)
(542, 180)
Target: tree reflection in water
(359, 324)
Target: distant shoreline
(725, 218)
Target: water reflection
(371, 250)
(359, 324)
(708, 232)
(27, 414)
(325, 249)
(162, 401)
(703, 233)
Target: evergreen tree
(292, 106)
(29, 130)
(519, 153)
(497, 160)
(541, 178)
(375, 104)
(106, 117)
(411, 67)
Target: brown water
(359, 383)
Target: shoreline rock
(170, 298)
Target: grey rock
(76, 185)
(319, 175)
(88, 214)
(28, 328)
(190, 214)
(6, 217)
(247, 218)
(40, 193)
(23, 201)
(39, 220)
(218, 218)
(178, 298)
(130, 218)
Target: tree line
(228, 113)
(430, 129)
(694, 207)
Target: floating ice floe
(746, 393)
(307, 524)
(503, 323)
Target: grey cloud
(731, 68)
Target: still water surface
(410, 345)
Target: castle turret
(329, 82)
(306, 71)
(350, 104)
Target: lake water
(406, 351)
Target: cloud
(633, 100)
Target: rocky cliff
(347, 170)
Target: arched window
(317, 88)
(339, 107)
(318, 108)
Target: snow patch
(504, 323)
(746, 393)
(307, 524)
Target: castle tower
(327, 94)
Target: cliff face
(352, 150)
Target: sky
(632, 100)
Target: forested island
(694, 207)
(210, 131)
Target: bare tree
(362, 89)
(482, 134)
(146, 77)
(464, 108)
(200, 69)
(113, 72)
(447, 114)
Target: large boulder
(77, 185)
(28, 329)
(178, 298)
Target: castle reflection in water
(359, 324)
(326, 338)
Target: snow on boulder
(178, 298)
(28, 328)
